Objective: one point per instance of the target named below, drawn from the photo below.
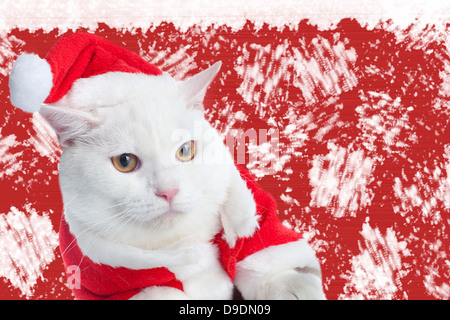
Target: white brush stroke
(27, 244)
(133, 14)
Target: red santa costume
(104, 282)
(35, 81)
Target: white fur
(206, 279)
(30, 82)
(117, 217)
(145, 128)
(238, 216)
(271, 273)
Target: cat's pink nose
(167, 194)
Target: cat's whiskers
(113, 223)
(72, 244)
(93, 225)
(79, 195)
(118, 205)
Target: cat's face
(148, 162)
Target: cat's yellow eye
(186, 152)
(126, 162)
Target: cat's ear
(193, 89)
(68, 123)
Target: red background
(396, 76)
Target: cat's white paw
(239, 218)
(291, 285)
(247, 222)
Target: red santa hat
(34, 81)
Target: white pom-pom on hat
(34, 81)
(30, 82)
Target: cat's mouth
(177, 209)
(172, 213)
(168, 216)
(167, 213)
(148, 212)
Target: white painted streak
(436, 283)
(376, 272)
(27, 244)
(9, 163)
(7, 54)
(339, 181)
(444, 189)
(327, 69)
(45, 140)
(420, 197)
(177, 64)
(132, 14)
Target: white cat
(148, 183)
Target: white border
(133, 14)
